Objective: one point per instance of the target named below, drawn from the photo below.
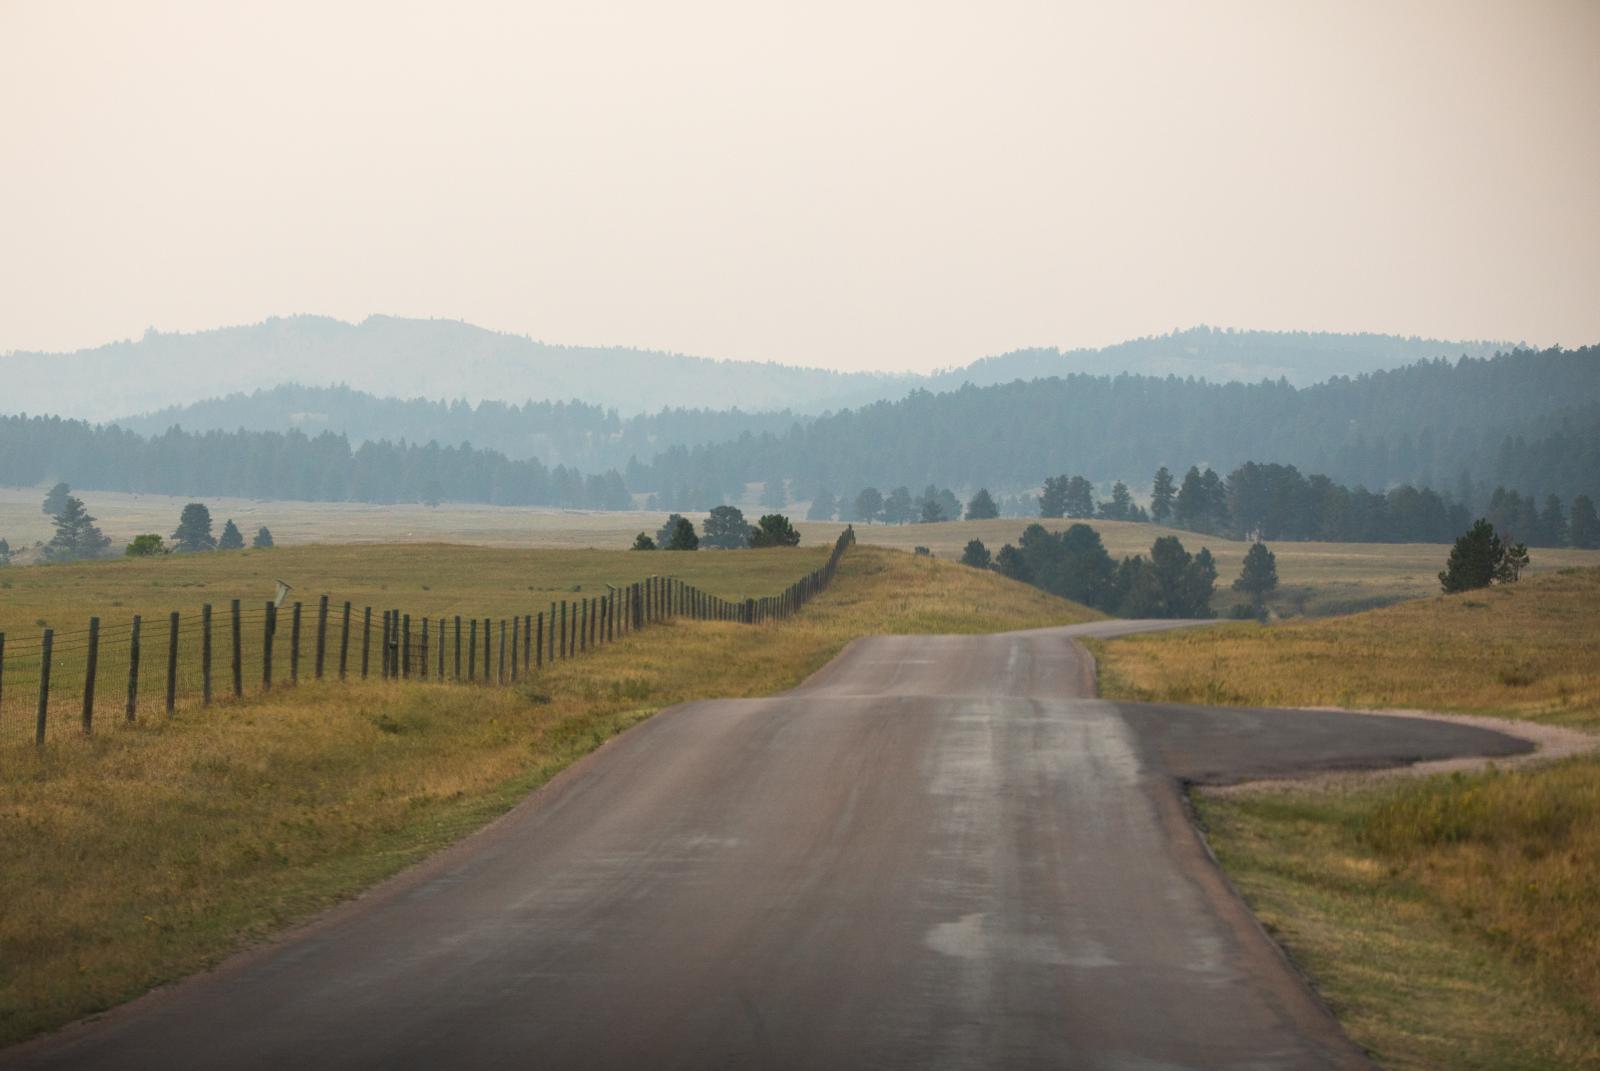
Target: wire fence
(71, 682)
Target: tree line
(1075, 564)
(1272, 501)
(289, 465)
(591, 438)
(1523, 419)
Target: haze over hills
(394, 357)
(449, 360)
(589, 437)
(1530, 421)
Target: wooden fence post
(3, 665)
(383, 648)
(205, 654)
(294, 644)
(472, 649)
(133, 668)
(238, 652)
(405, 647)
(423, 651)
(527, 642)
(344, 640)
(563, 628)
(47, 646)
(172, 661)
(538, 646)
(322, 634)
(500, 677)
(269, 625)
(89, 671)
(486, 650)
(516, 635)
(366, 640)
(440, 677)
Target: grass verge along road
(1449, 921)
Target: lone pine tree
(194, 530)
(232, 538)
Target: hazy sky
(858, 185)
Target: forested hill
(1528, 420)
(591, 438)
(395, 357)
(1221, 356)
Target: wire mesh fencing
(70, 682)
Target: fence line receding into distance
(73, 681)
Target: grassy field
(146, 852)
(419, 579)
(1524, 651)
(1451, 922)
(1316, 578)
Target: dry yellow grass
(145, 852)
(419, 579)
(1420, 955)
(1526, 651)
(1316, 578)
(1454, 921)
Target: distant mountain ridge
(393, 357)
(1220, 355)
(448, 359)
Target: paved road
(937, 853)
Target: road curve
(938, 852)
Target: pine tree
(76, 535)
(982, 508)
(56, 499)
(1079, 498)
(897, 508)
(976, 555)
(726, 527)
(1583, 529)
(1476, 560)
(869, 505)
(931, 512)
(232, 538)
(823, 507)
(774, 530)
(194, 530)
(1259, 575)
(665, 532)
(1120, 507)
(1053, 501)
(1553, 523)
(263, 539)
(5, 552)
(1162, 496)
(1191, 505)
(644, 542)
(683, 537)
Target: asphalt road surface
(939, 852)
